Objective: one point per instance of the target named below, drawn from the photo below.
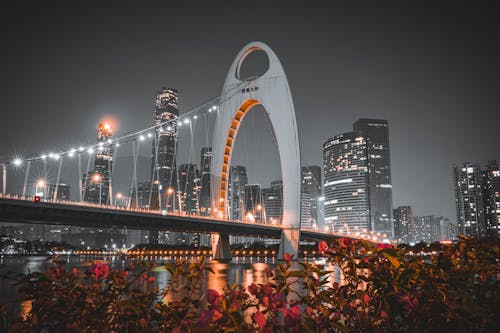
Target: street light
(17, 162)
(40, 185)
(118, 196)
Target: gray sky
(430, 69)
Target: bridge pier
(289, 243)
(221, 250)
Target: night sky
(430, 69)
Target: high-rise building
(254, 210)
(164, 160)
(205, 162)
(188, 173)
(310, 192)
(430, 228)
(404, 224)
(491, 195)
(376, 134)
(96, 183)
(236, 192)
(143, 197)
(63, 191)
(469, 199)
(273, 202)
(345, 186)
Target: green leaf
(394, 261)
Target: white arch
(271, 90)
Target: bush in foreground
(382, 289)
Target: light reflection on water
(243, 271)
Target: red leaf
(260, 319)
(322, 246)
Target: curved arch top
(271, 90)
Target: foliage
(380, 289)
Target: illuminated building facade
(469, 199)
(96, 183)
(164, 161)
(345, 187)
(63, 191)
(376, 134)
(273, 202)
(491, 195)
(254, 209)
(205, 162)
(188, 174)
(236, 191)
(310, 193)
(431, 228)
(404, 224)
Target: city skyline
(425, 80)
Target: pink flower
(213, 297)
(322, 246)
(99, 270)
(260, 319)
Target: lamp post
(40, 185)
(118, 196)
(4, 178)
(17, 162)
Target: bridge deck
(24, 211)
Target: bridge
(167, 207)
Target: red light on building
(36, 199)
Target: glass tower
(345, 187)
(164, 162)
(96, 183)
(376, 134)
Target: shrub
(383, 289)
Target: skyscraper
(469, 199)
(205, 162)
(188, 173)
(254, 211)
(431, 228)
(63, 191)
(164, 161)
(237, 181)
(376, 134)
(345, 187)
(404, 224)
(96, 183)
(273, 202)
(310, 192)
(491, 195)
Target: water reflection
(243, 271)
(219, 279)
